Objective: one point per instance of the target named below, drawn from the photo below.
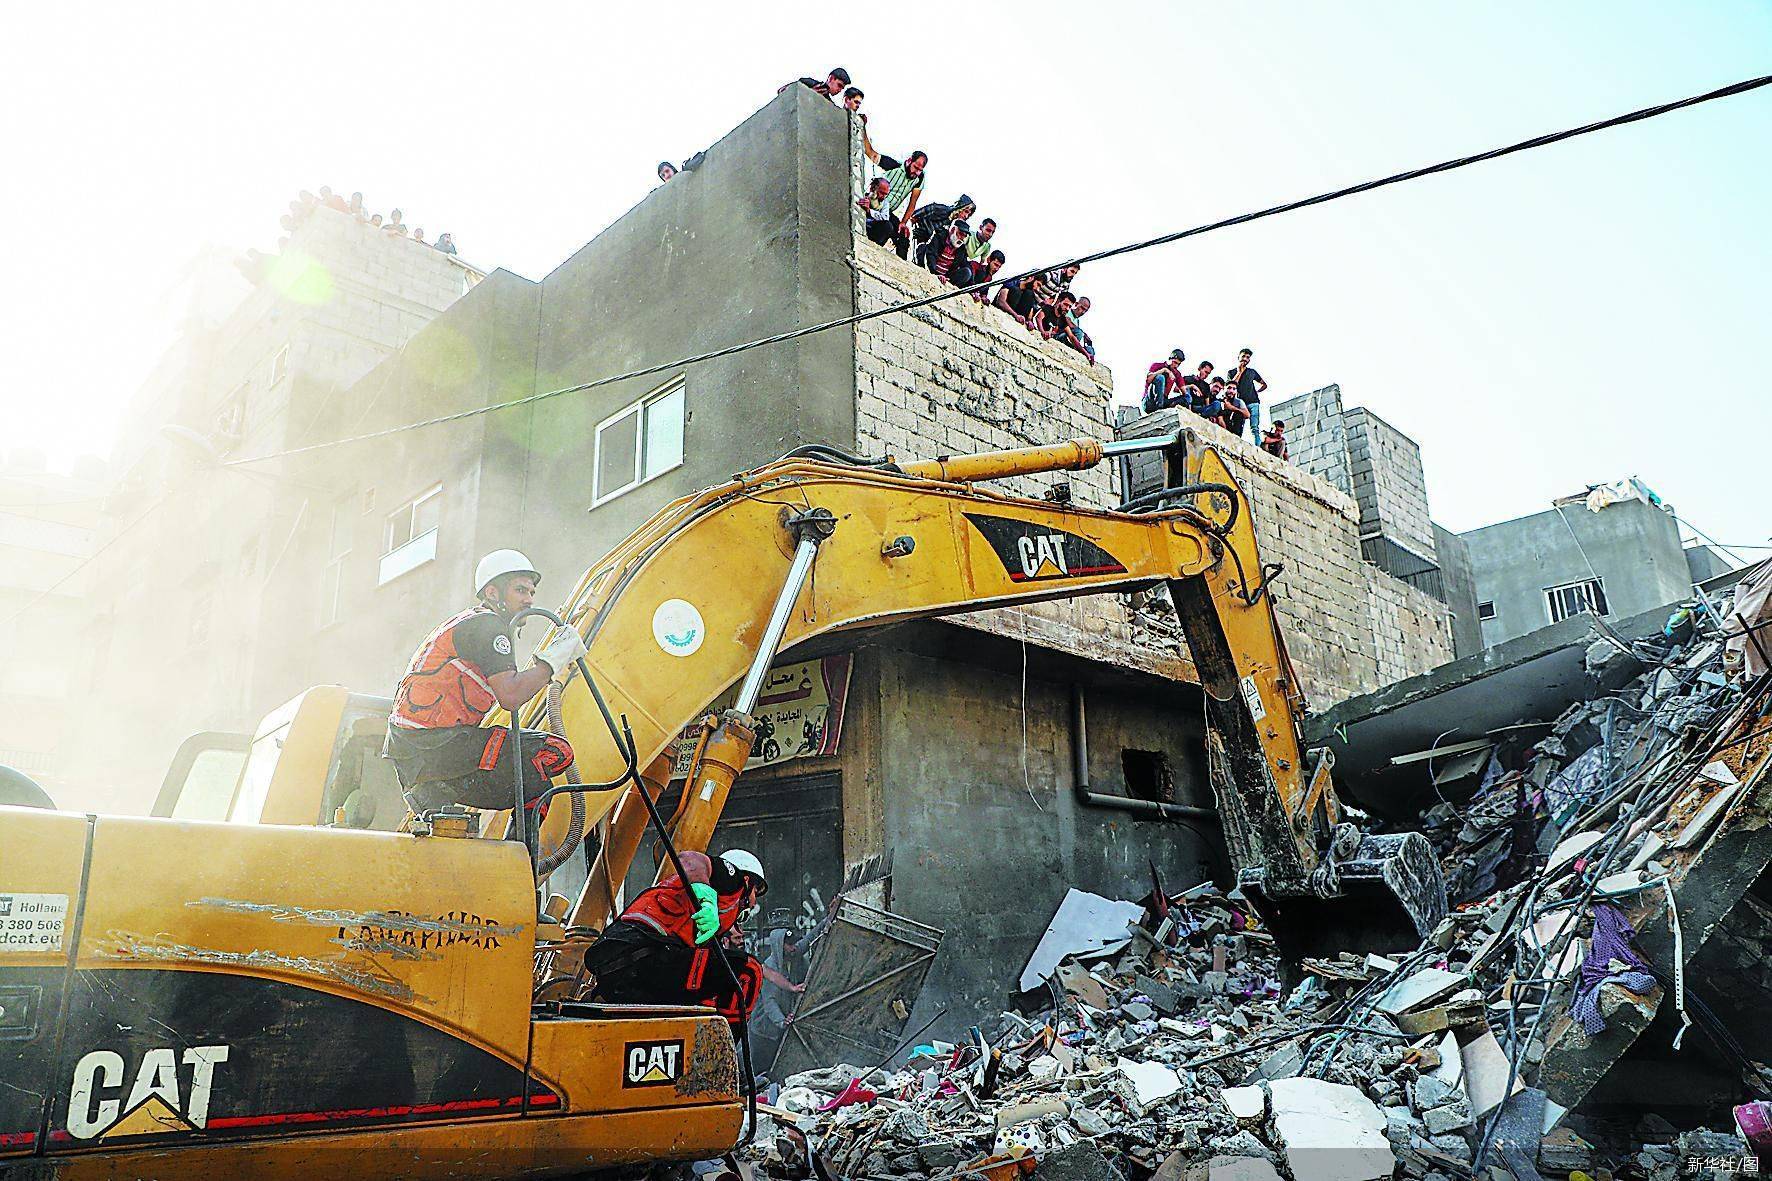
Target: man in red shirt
(660, 951)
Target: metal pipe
(798, 572)
(1085, 795)
(1144, 443)
(1076, 455)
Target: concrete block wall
(1388, 483)
(1316, 437)
(1411, 630)
(961, 376)
(1311, 528)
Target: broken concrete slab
(1420, 988)
(1330, 1131)
(1152, 1082)
(1486, 1073)
(1021, 1113)
(1247, 1104)
(1081, 1161)
(1534, 677)
(1241, 1168)
(1084, 924)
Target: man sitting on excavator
(459, 674)
(660, 951)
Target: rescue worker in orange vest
(462, 671)
(660, 951)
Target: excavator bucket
(1389, 896)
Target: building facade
(190, 609)
(1613, 556)
(1378, 465)
(939, 762)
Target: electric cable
(1450, 165)
(1546, 140)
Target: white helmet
(742, 862)
(499, 563)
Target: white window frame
(332, 577)
(1490, 605)
(640, 407)
(417, 549)
(1584, 589)
(279, 364)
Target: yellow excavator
(283, 974)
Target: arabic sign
(799, 714)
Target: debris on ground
(1587, 868)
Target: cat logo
(652, 1064)
(168, 1091)
(1035, 553)
(1042, 552)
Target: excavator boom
(710, 591)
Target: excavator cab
(314, 760)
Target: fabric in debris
(1753, 609)
(1577, 782)
(1612, 943)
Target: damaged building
(992, 836)
(1592, 1007)
(965, 773)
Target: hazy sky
(1574, 315)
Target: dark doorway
(795, 826)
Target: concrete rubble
(1177, 1052)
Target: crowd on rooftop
(942, 238)
(394, 224)
(1231, 400)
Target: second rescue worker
(462, 671)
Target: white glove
(560, 651)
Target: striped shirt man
(903, 185)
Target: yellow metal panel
(299, 783)
(441, 930)
(43, 854)
(585, 1060)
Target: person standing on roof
(1250, 387)
(831, 87)
(904, 188)
(659, 952)
(462, 672)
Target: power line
(1707, 537)
(1320, 199)
(1113, 252)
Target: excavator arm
(707, 593)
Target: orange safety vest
(666, 909)
(440, 688)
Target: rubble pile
(1586, 861)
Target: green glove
(707, 911)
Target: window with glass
(410, 539)
(639, 442)
(1575, 597)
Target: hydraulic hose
(547, 862)
(623, 737)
